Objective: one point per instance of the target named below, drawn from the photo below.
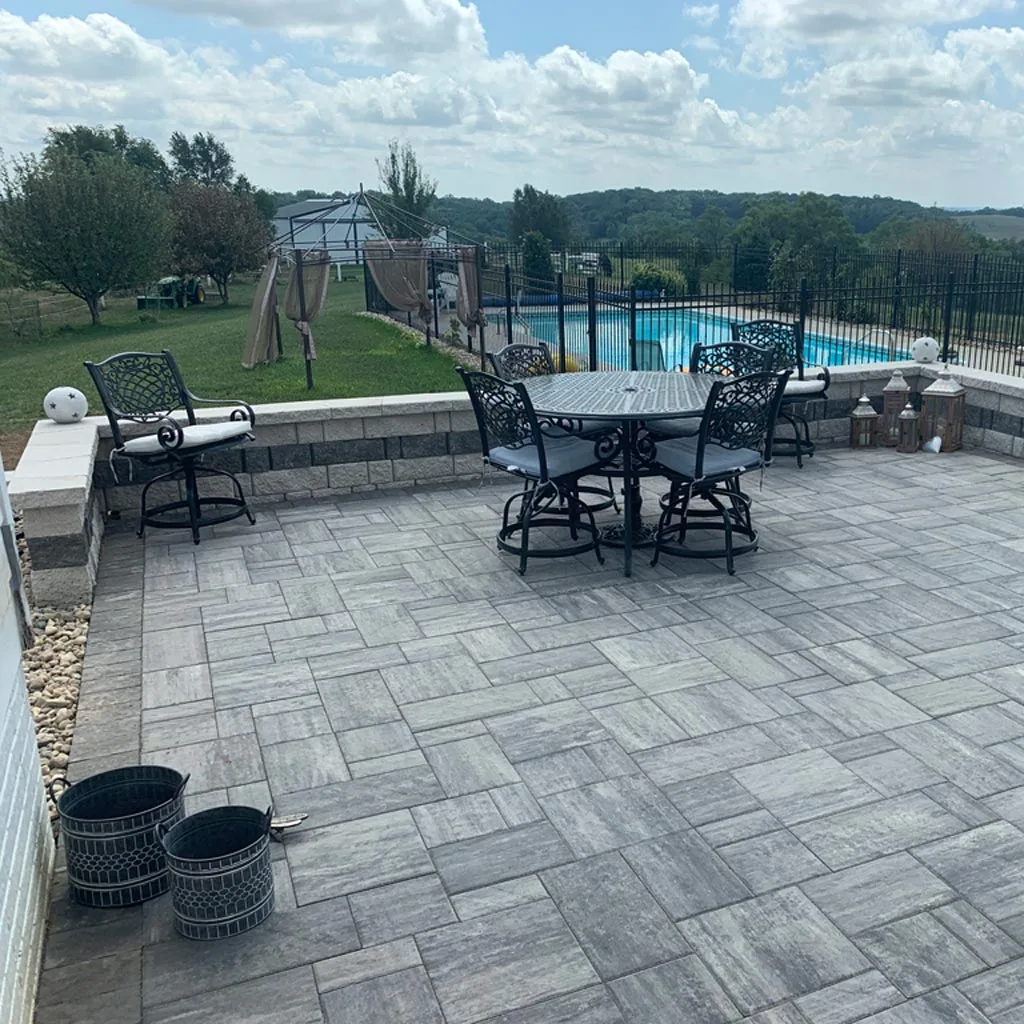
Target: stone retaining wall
(66, 487)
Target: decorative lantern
(65, 405)
(909, 431)
(863, 424)
(943, 408)
(894, 398)
(925, 350)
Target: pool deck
(793, 796)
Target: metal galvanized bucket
(108, 823)
(222, 883)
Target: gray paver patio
(793, 796)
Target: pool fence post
(632, 327)
(972, 300)
(805, 301)
(560, 293)
(947, 316)
(433, 292)
(592, 320)
(622, 265)
(508, 305)
(897, 291)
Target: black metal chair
(520, 362)
(147, 387)
(511, 439)
(726, 359)
(737, 423)
(786, 341)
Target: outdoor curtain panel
(468, 305)
(261, 334)
(399, 270)
(316, 273)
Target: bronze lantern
(894, 398)
(943, 409)
(863, 424)
(909, 430)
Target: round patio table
(631, 403)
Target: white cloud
(797, 23)
(912, 81)
(703, 14)
(907, 110)
(375, 31)
(1002, 47)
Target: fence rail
(863, 310)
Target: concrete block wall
(62, 514)
(317, 449)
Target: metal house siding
(26, 843)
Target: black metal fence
(868, 308)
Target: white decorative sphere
(65, 405)
(925, 350)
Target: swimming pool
(676, 331)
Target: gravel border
(53, 676)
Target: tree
(203, 159)
(710, 230)
(932, 234)
(260, 196)
(533, 210)
(408, 193)
(87, 226)
(88, 143)
(217, 232)
(537, 264)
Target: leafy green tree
(217, 232)
(408, 191)
(86, 225)
(537, 266)
(650, 229)
(88, 143)
(533, 210)
(203, 159)
(263, 199)
(710, 230)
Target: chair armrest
(816, 373)
(170, 434)
(242, 410)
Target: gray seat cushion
(679, 456)
(566, 456)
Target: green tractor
(174, 291)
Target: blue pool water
(677, 331)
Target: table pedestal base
(642, 535)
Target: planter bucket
(108, 823)
(221, 879)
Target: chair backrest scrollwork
(504, 413)
(140, 387)
(731, 359)
(518, 362)
(741, 413)
(783, 339)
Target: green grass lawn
(356, 357)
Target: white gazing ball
(925, 350)
(65, 405)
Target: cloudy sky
(914, 98)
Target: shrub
(649, 278)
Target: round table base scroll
(643, 535)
